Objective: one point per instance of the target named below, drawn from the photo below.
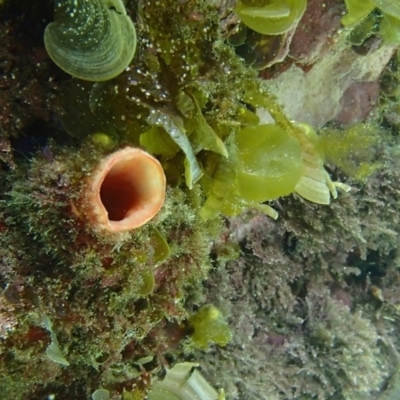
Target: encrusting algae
(111, 224)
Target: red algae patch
(126, 190)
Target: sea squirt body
(124, 191)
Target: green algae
(173, 125)
(157, 141)
(102, 140)
(389, 7)
(93, 40)
(209, 326)
(351, 149)
(357, 10)
(183, 382)
(148, 284)
(269, 161)
(389, 24)
(270, 17)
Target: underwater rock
(357, 102)
(125, 191)
(317, 30)
(314, 96)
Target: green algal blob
(269, 162)
(266, 164)
(173, 125)
(270, 17)
(209, 327)
(161, 250)
(92, 40)
(390, 7)
(356, 10)
(148, 284)
(390, 29)
(100, 394)
(219, 184)
(203, 136)
(389, 26)
(351, 150)
(364, 29)
(183, 382)
(102, 140)
(157, 141)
